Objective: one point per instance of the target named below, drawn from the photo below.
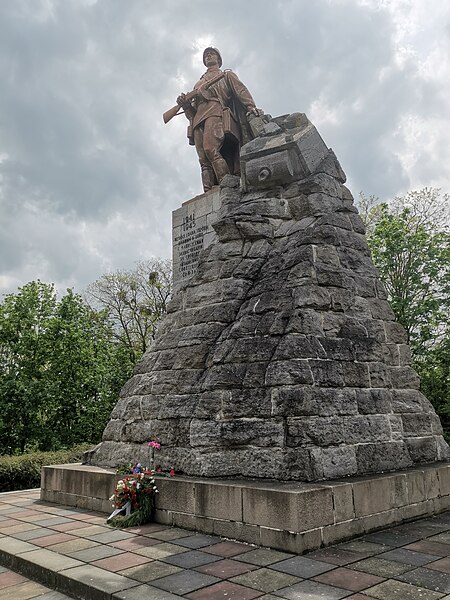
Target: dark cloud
(89, 174)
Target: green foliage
(24, 472)
(61, 370)
(410, 244)
(414, 260)
(433, 368)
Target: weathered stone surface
(374, 401)
(280, 356)
(289, 372)
(302, 400)
(339, 462)
(315, 431)
(409, 401)
(422, 449)
(386, 456)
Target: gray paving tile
(33, 534)
(161, 551)
(398, 590)
(50, 560)
(391, 539)
(184, 582)
(311, 590)
(168, 535)
(54, 510)
(152, 570)
(299, 566)
(110, 536)
(188, 560)
(433, 580)
(441, 538)
(262, 557)
(144, 592)
(197, 541)
(73, 546)
(8, 510)
(364, 547)
(425, 525)
(23, 591)
(91, 530)
(265, 580)
(443, 518)
(53, 595)
(96, 553)
(96, 578)
(381, 567)
(337, 556)
(13, 546)
(52, 521)
(409, 557)
(417, 529)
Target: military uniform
(206, 113)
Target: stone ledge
(295, 517)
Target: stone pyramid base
(294, 517)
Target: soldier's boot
(220, 168)
(208, 178)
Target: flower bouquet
(134, 494)
(134, 500)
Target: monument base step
(294, 517)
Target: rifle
(169, 114)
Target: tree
(87, 369)
(24, 321)
(61, 369)
(135, 302)
(410, 244)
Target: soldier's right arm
(187, 106)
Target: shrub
(24, 471)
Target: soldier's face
(211, 58)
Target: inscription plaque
(191, 233)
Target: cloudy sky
(89, 174)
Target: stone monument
(280, 357)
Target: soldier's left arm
(241, 92)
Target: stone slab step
(72, 577)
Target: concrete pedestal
(294, 517)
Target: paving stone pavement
(54, 552)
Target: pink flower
(154, 444)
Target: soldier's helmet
(216, 51)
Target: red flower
(158, 469)
(172, 472)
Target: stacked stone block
(281, 358)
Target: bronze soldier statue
(217, 110)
